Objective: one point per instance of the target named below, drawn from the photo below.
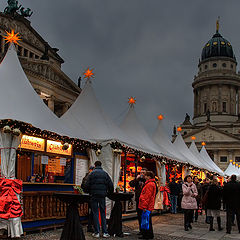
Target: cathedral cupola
(217, 46)
(216, 87)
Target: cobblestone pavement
(166, 227)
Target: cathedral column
(195, 103)
(219, 99)
(51, 103)
(238, 101)
(216, 160)
(208, 99)
(65, 107)
(199, 103)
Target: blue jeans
(99, 203)
(173, 203)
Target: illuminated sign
(56, 147)
(32, 143)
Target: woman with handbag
(189, 202)
(146, 202)
(213, 204)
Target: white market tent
(206, 157)
(86, 112)
(160, 138)
(231, 170)
(19, 101)
(132, 126)
(189, 156)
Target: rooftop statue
(12, 7)
(26, 13)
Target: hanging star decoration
(12, 37)
(203, 144)
(89, 74)
(179, 129)
(132, 100)
(160, 117)
(193, 138)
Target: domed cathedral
(216, 89)
(40, 61)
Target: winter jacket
(231, 195)
(148, 194)
(138, 185)
(99, 184)
(174, 188)
(189, 196)
(214, 197)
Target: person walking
(205, 187)
(98, 185)
(189, 202)
(147, 201)
(213, 204)
(198, 198)
(138, 184)
(231, 196)
(174, 192)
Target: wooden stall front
(45, 168)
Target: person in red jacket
(146, 202)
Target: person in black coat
(205, 186)
(231, 196)
(138, 184)
(213, 204)
(174, 192)
(99, 185)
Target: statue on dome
(26, 13)
(12, 7)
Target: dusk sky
(148, 49)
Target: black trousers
(139, 216)
(188, 216)
(147, 234)
(230, 213)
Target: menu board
(81, 170)
(54, 166)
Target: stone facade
(41, 64)
(216, 119)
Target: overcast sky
(143, 48)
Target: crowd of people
(196, 196)
(191, 196)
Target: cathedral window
(31, 55)
(224, 107)
(205, 66)
(214, 65)
(205, 107)
(223, 159)
(224, 65)
(231, 65)
(25, 52)
(237, 159)
(214, 106)
(36, 57)
(19, 50)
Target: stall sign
(81, 170)
(54, 166)
(32, 143)
(56, 147)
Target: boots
(219, 224)
(211, 224)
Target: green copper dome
(217, 46)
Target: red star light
(12, 37)
(132, 100)
(160, 117)
(89, 74)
